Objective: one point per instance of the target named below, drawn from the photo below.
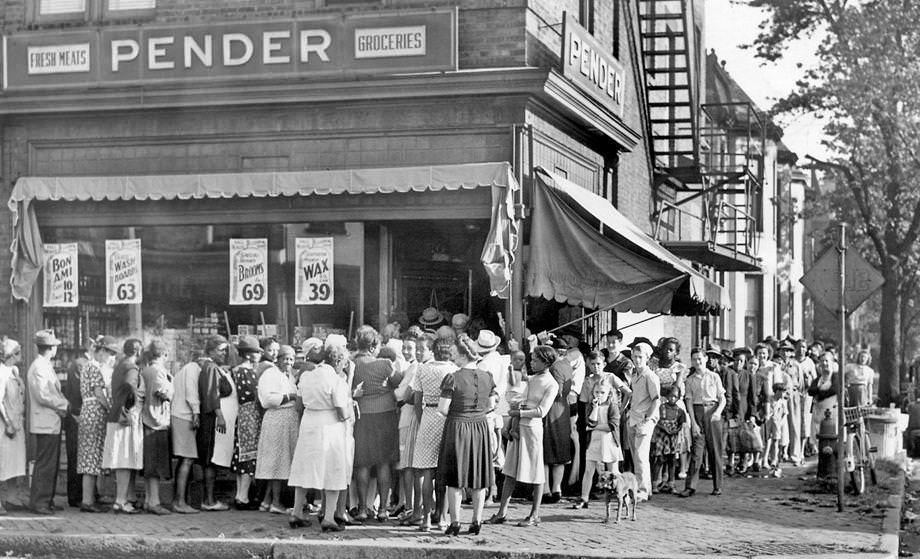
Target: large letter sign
(248, 271)
(61, 275)
(123, 272)
(314, 263)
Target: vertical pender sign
(123, 272)
(314, 262)
(248, 271)
(61, 275)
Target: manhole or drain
(746, 549)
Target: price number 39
(319, 292)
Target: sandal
(125, 508)
(264, 507)
(529, 521)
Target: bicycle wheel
(858, 475)
(870, 461)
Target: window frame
(94, 11)
(36, 15)
(108, 14)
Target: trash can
(884, 433)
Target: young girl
(603, 453)
(665, 443)
(777, 428)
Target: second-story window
(117, 5)
(586, 14)
(61, 7)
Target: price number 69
(253, 292)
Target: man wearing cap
(705, 399)
(210, 418)
(795, 387)
(47, 405)
(643, 416)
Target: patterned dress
(92, 424)
(248, 422)
(13, 400)
(668, 377)
(428, 381)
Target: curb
(891, 525)
(120, 546)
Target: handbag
(751, 440)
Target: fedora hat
(46, 338)
(430, 317)
(486, 341)
(248, 344)
(786, 346)
(459, 321)
(713, 349)
(108, 343)
(742, 350)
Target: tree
(867, 84)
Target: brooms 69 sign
(314, 266)
(248, 271)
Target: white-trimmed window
(123, 5)
(61, 7)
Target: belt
(431, 405)
(707, 404)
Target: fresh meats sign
(328, 45)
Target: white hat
(487, 341)
(646, 349)
(311, 344)
(335, 340)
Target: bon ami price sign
(248, 271)
(123, 272)
(314, 263)
(61, 275)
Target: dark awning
(585, 252)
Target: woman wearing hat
(278, 435)
(465, 460)
(12, 414)
(91, 430)
(248, 419)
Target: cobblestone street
(753, 517)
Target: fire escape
(708, 156)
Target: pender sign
(313, 47)
(591, 66)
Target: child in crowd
(517, 382)
(777, 428)
(665, 445)
(603, 453)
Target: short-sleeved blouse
(322, 389)
(428, 379)
(470, 392)
(667, 376)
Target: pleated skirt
(465, 459)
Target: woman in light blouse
(278, 435)
(524, 456)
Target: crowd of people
(407, 427)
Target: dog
(624, 486)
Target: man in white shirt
(47, 405)
(643, 416)
(490, 360)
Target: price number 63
(319, 292)
(126, 291)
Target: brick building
(399, 129)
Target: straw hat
(46, 338)
(430, 317)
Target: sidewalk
(754, 517)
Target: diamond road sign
(823, 280)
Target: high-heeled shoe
(453, 529)
(330, 527)
(497, 519)
(297, 522)
(474, 528)
(343, 520)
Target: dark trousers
(708, 443)
(584, 436)
(44, 475)
(74, 480)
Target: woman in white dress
(860, 380)
(123, 451)
(12, 415)
(229, 407)
(278, 436)
(524, 455)
(321, 456)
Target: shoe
(126, 508)
(580, 504)
(331, 527)
(93, 508)
(453, 529)
(687, 493)
(159, 510)
(716, 492)
(313, 509)
(343, 520)
(297, 522)
(397, 511)
(218, 506)
(551, 499)
(529, 522)
(240, 505)
(44, 511)
(105, 501)
(360, 516)
(275, 510)
(411, 521)
(681, 475)
(264, 507)
(666, 489)
(474, 528)
(496, 519)
(382, 517)
(185, 509)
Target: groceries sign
(303, 48)
(591, 66)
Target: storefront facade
(191, 129)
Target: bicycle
(859, 455)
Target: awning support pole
(516, 299)
(620, 302)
